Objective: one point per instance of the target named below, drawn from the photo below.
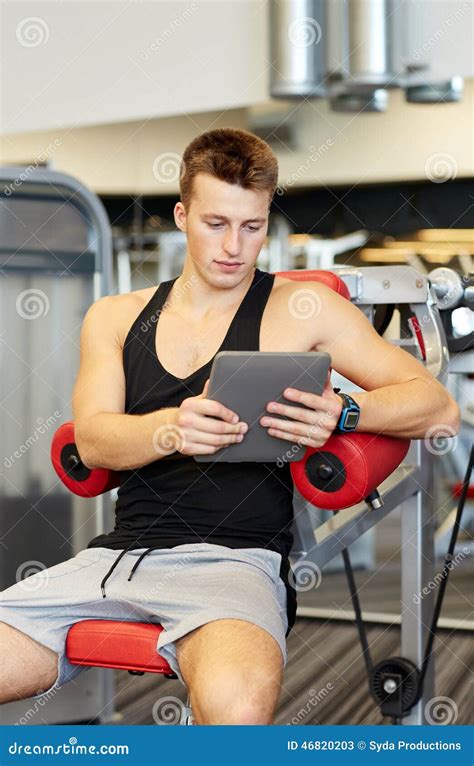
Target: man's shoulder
(135, 300)
(305, 307)
(120, 311)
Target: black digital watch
(350, 414)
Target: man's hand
(311, 428)
(204, 426)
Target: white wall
(115, 91)
(408, 142)
(91, 62)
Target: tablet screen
(245, 381)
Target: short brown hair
(232, 155)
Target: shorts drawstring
(145, 553)
(122, 553)
(135, 566)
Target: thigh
(222, 587)
(26, 666)
(233, 645)
(45, 605)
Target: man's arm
(105, 436)
(401, 397)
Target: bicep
(357, 350)
(100, 382)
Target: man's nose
(232, 243)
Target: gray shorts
(180, 588)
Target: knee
(232, 698)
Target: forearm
(123, 442)
(408, 410)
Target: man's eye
(218, 226)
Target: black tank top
(176, 500)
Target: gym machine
(55, 261)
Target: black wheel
(398, 677)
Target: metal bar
(59, 185)
(347, 526)
(57, 261)
(381, 618)
(417, 555)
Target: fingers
(295, 413)
(327, 386)
(201, 442)
(210, 407)
(204, 391)
(294, 428)
(324, 412)
(208, 425)
(330, 404)
(216, 425)
(305, 441)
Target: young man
(207, 544)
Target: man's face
(226, 227)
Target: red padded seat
(116, 644)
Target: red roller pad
(114, 644)
(328, 278)
(83, 481)
(359, 463)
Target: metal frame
(42, 183)
(38, 183)
(408, 487)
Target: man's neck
(192, 295)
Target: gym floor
(324, 680)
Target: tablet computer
(245, 381)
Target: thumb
(204, 391)
(327, 386)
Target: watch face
(352, 418)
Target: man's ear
(180, 216)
